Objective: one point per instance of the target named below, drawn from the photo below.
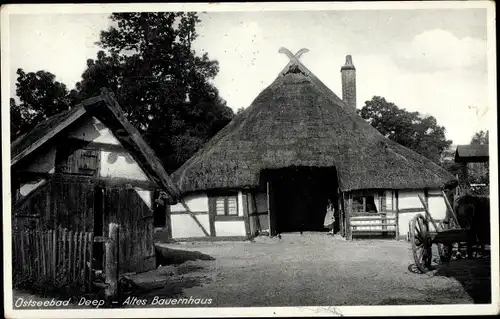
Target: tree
(41, 96)
(480, 137)
(410, 129)
(479, 173)
(160, 81)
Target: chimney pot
(348, 73)
(348, 63)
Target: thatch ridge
(298, 121)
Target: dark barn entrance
(298, 198)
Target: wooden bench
(373, 224)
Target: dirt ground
(311, 270)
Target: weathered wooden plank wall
(73, 208)
(31, 212)
(135, 218)
(74, 203)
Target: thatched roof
(472, 153)
(106, 109)
(298, 121)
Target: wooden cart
(445, 234)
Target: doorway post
(269, 219)
(348, 229)
(341, 208)
(111, 270)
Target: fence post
(111, 271)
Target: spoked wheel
(421, 243)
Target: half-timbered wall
(400, 206)
(229, 222)
(183, 224)
(114, 159)
(410, 206)
(120, 164)
(209, 215)
(436, 204)
(94, 131)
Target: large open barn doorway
(298, 198)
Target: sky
(431, 61)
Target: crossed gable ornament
(294, 60)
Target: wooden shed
(473, 160)
(84, 168)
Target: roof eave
(83, 106)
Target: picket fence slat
(72, 255)
(91, 255)
(58, 255)
(41, 238)
(21, 251)
(81, 266)
(54, 254)
(84, 256)
(28, 245)
(63, 255)
(77, 253)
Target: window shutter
(87, 161)
(232, 205)
(220, 206)
(82, 162)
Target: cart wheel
(421, 243)
(445, 252)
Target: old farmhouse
(273, 168)
(85, 167)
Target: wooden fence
(380, 224)
(59, 257)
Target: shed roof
(298, 121)
(472, 153)
(106, 109)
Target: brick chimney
(348, 72)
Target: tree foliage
(480, 137)
(162, 84)
(41, 96)
(160, 81)
(410, 129)
(479, 173)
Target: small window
(226, 205)
(364, 204)
(81, 162)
